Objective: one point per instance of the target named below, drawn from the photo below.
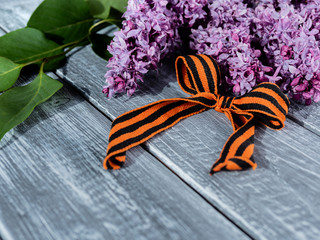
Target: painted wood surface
(51, 169)
(190, 148)
(268, 202)
(53, 185)
(278, 200)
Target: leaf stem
(110, 21)
(97, 24)
(71, 46)
(42, 66)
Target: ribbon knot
(200, 76)
(223, 104)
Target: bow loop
(197, 74)
(267, 103)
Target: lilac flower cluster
(253, 41)
(289, 37)
(148, 34)
(227, 37)
(189, 11)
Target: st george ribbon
(199, 76)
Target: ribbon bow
(200, 76)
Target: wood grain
(279, 200)
(53, 185)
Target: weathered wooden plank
(53, 185)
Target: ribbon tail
(115, 162)
(139, 125)
(238, 150)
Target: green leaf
(17, 103)
(101, 8)
(9, 73)
(28, 45)
(62, 20)
(99, 45)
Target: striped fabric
(200, 76)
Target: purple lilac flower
(148, 34)
(189, 11)
(227, 38)
(290, 40)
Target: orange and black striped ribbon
(199, 76)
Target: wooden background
(53, 186)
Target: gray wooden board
(279, 199)
(53, 185)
